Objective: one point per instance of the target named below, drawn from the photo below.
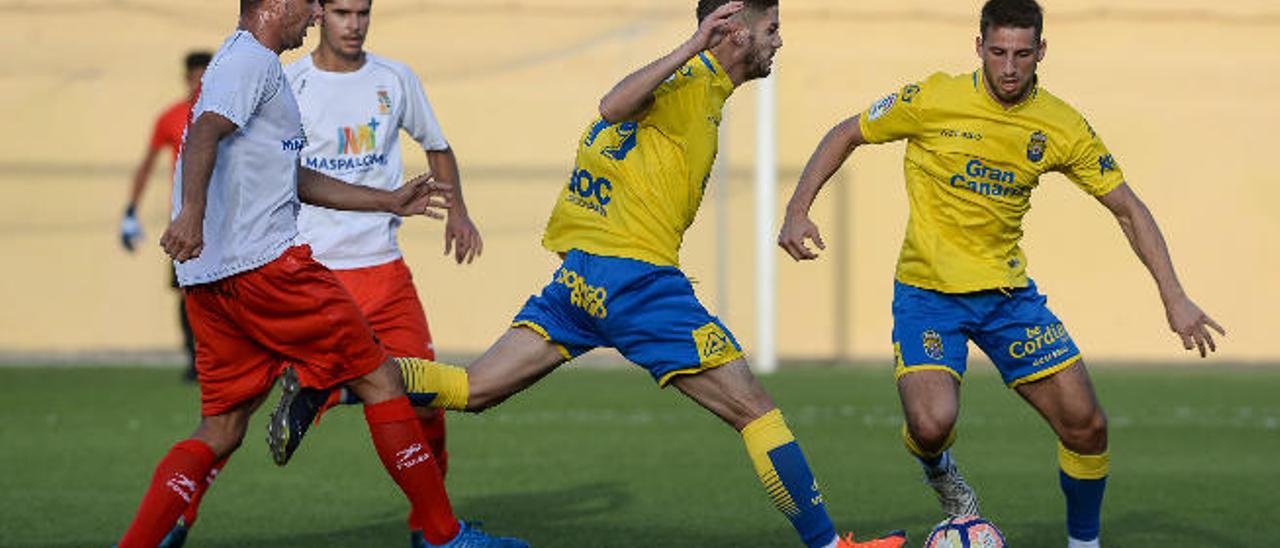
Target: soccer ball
(965, 532)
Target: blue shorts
(648, 312)
(1013, 327)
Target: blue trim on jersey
(711, 67)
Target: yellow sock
(435, 384)
(926, 456)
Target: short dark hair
(198, 60)
(1018, 14)
(705, 7)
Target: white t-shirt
(353, 122)
(252, 207)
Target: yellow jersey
(636, 185)
(971, 165)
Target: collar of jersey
(719, 78)
(982, 89)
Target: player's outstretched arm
(461, 236)
(184, 239)
(831, 153)
(1185, 318)
(422, 195)
(634, 94)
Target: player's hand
(462, 238)
(184, 239)
(422, 195)
(795, 230)
(715, 27)
(130, 230)
(1192, 325)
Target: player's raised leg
(931, 403)
(732, 393)
(1068, 402)
(517, 360)
(176, 479)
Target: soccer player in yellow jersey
(976, 146)
(641, 168)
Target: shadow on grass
(1134, 529)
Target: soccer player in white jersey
(256, 298)
(977, 144)
(354, 105)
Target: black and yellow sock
(434, 384)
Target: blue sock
(1084, 480)
(787, 478)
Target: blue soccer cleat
(470, 536)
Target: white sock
(834, 541)
(1074, 543)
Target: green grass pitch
(598, 458)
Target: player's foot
(954, 494)
(297, 409)
(470, 536)
(896, 539)
(176, 537)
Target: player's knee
(1086, 434)
(930, 433)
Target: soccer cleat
(469, 536)
(176, 537)
(954, 494)
(896, 539)
(297, 409)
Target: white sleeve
(237, 85)
(419, 120)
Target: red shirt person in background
(168, 132)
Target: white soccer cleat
(955, 496)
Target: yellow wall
(1183, 92)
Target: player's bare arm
(634, 94)
(831, 153)
(184, 239)
(1185, 318)
(461, 237)
(423, 195)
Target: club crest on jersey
(882, 107)
(1036, 146)
(384, 102)
(932, 342)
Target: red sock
(404, 452)
(432, 421)
(193, 509)
(173, 487)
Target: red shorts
(386, 296)
(292, 310)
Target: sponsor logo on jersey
(588, 191)
(1040, 338)
(583, 295)
(1036, 146)
(986, 180)
(384, 102)
(357, 149)
(295, 144)
(958, 134)
(882, 107)
(712, 342)
(360, 139)
(1106, 163)
(932, 343)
